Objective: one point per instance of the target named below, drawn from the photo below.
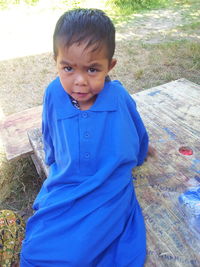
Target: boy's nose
(80, 80)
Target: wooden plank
(176, 100)
(154, 196)
(38, 167)
(13, 131)
(173, 241)
(167, 137)
(35, 138)
(159, 182)
(179, 86)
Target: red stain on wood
(185, 150)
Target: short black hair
(89, 25)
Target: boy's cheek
(65, 83)
(97, 87)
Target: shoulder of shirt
(119, 90)
(55, 94)
(124, 99)
(117, 85)
(57, 100)
(53, 86)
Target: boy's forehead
(82, 50)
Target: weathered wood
(177, 100)
(172, 116)
(35, 138)
(38, 167)
(13, 130)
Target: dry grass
(20, 186)
(24, 80)
(146, 58)
(147, 65)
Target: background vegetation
(124, 5)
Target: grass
(141, 64)
(129, 6)
(190, 27)
(123, 10)
(7, 3)
(20, 187)
(149, 65)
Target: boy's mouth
(81, 94)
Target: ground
(153, 47)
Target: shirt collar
(105, 101)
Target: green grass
(183, 50)
(190, 27)
(6, 3)
(119, 7)
(130, 6)
(123, 10)
(150, 65)
(190, 9)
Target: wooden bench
(13, 132)
(171, 113)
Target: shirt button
(84, 115)
(86, 135)
(87, 155)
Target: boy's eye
(67, 69)
(92, 70)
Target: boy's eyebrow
(63, 62)
(92, 65)
(95, 65)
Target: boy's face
(82, 72)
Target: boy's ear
(112, 64)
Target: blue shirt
(87, 213)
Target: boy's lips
(81, 94)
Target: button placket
(86, 135)
(84, 115)
(87, 155)
(86, 162)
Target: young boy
(86, 213)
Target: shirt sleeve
(47, 139)
(141, 130)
